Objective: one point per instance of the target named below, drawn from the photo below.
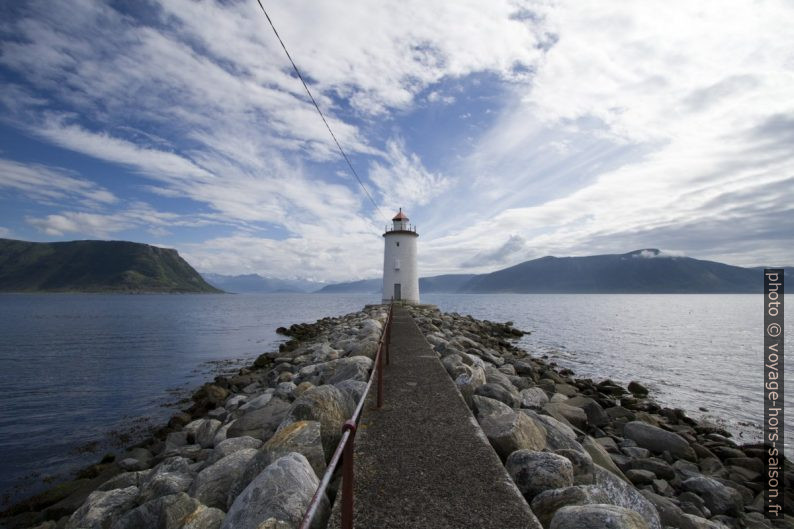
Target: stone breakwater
(249, 452)
(591, 454)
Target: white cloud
(5, 233)
(51, 184)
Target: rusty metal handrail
(345, 446)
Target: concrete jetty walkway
(422, 460)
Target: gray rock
(545, 504)
(598, 516)
(282, 491)
(468, 381)
(230, 446)
(582, 465)
(497, 392)
(348, 368)
(602, 458)
(260, 423)
(205, 518)
(567, 414)
(354, 388)
(329, 406)
(635, 452)
(660, 468)
(701, 523)
(625, 495)
(211, 485)
(669, 513)
(719, 498)
(124, 480)
(534, 398)
(254, 403)
(169, 477)
(205, 435)
(558, 434)
(657, 440)
(595, 413)
(536, 472)
(166, 512)
(303, 437)
(101, 508)
(506, 429)
(640, 477)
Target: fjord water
(74, 367)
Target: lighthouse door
(397, 292)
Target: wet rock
(211, 485)
(719, 499)
(327, 405)
(101, 508)
(260, 423)
(506, 429)
(599, 516)
(657, 440)
(535, 472)
(282, 491)
(637, 389)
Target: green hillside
(95, 266)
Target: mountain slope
(254, 283)
(641, 271)
(95, 266)
(442, 283)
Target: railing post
(347, 477)
(379, 367)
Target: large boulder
(497, 392)
(670, 514)
(471, 378)
(558, 434)
(657, 440)
(348, 368)
(598, 516)
(533, 398)
(166, 512)
(545, 504)
(204, 518)
(595, 413)
(507, 429)
(282, 491)
(102, 508)
(260, 423)
(329, 406)
(536, 472)
(205, 434)
(230, 446)
(625, 495)
(582, 465)
(211, 485)
(601, 457)
(719, 498)
(169, 477)
(566, 413)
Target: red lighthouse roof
(400, 215)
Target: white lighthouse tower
(400, 275)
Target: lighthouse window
(398, 243)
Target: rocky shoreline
(250, 450)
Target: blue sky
(506, 130)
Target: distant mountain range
(95, 266)
(641, 271)
(256, 284)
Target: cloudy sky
(506, 130)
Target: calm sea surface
(78, 370)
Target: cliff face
(95, 266)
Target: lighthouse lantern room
(400, 275)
